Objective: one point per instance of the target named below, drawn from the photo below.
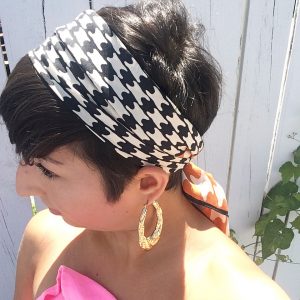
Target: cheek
(88, 208)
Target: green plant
(33, 206)
(274, 230)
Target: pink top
(71, 285)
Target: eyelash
(45, 171)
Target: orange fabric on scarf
(206, 194)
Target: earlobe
(152, 182)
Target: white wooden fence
(258, 46)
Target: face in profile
(70, 187)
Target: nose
(27, 181)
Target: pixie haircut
(167, 46)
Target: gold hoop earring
(148, 242)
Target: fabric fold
(204, 192)
(71, 285)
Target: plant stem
(257, 241)
(279, 251)
(287, 262)
(245, 246)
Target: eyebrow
(52, 160)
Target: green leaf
(287, 171)
(297, 172)
(276, 236)
(297, 156)
(259, 260)
(262, 222)
(286, 238)
(283, 258)
(296, 223)
(297, 196)
(280, 189)
(294, 202)
(268, 240)
(282, 211)
(279, 202)
(281, 205)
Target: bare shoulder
(244, 279)
(43, 230)
(224, 271)
(39, 236)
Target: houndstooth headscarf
(88, 67)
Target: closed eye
(45, 171)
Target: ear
(152, 182)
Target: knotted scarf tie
(89, 68)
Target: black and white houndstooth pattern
(91, 71)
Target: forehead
(64, 155)
(69, 159)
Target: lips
(54, 211)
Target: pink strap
(71, 285)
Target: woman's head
(167, 47)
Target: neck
(180, 219)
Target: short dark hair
(168, 47)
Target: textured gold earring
(148, 242)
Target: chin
(54, 211)
(72, 223)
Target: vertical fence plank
(14, 214)
(61, 12)
(220, 37)
(97, 4)
(267, 36)
(285, 145)
(22, 25)
(2, 72)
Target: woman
(106, 115)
